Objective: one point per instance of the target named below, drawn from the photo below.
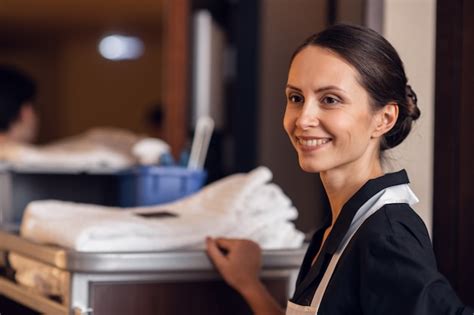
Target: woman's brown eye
(330, 100)
(295, 98)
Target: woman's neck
(342, 184)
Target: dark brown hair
(16, 88)
(380, 69)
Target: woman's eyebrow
(329, 87)
(289, 86)
(319, 90)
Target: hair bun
(412, 100)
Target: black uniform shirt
(387, 268)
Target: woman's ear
(385, 119)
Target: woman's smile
(311, 144)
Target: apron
(395, 194)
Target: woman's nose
(308, 116)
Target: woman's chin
(310, 167)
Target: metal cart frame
(85, 269)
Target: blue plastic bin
(151, 185)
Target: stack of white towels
(238, 206)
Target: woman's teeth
(313, 142)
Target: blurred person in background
(18, 120)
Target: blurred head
(347, 98)
(18, 120)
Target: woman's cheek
(288, 121)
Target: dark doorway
(453, 221)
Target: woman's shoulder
(396, 233)
(396, 222)
(398, 271)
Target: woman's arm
(239, 262)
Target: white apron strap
(295, 309)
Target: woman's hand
(238, 261)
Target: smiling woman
(347, 102)
(328, 114)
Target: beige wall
(285, 24)
(410, 26)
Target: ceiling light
(119, 47)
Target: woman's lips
(310, 144)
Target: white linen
(148, 151)
(240, 205)
(96, 149)
(96, 228)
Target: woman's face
(328, 115)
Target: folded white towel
(83, 158)
(228, 195)
(241, 205)
(266, 197)
(96, 149)
(96, 228)
(278, 235)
